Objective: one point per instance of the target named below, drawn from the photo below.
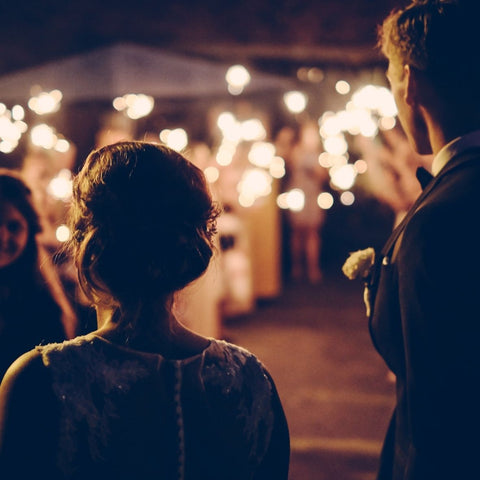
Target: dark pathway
(334, 387)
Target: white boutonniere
(360, 265)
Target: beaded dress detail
(120, 405)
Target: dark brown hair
(15, 192)
(142, 222)
(34, 266)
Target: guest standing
(310, 178)
(33, 307)
(425, 320)
(142, 396)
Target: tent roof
(124, 68)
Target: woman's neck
(157, 331)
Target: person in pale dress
(305, 174)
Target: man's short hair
(439, 38)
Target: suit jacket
(425, 323)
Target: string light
(45, 102)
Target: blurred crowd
(251, 242)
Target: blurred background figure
(33, 306)
(392, 166)
(197, 306)
(308, 177)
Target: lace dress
(120, 413)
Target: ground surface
(334, 387)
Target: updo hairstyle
(142, 223)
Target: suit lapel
(457, 161)
(384, 258)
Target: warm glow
(377, 99)
(387, 123)
(369, 128)
(235, 131)
(255, 183)
(347, 198)
(62, 145)
(342, 87)
(295, 101)
(60, 186)
(343, 176)
(230, 127)
(252, 129)
(330, 125)
(360, 166)
(21, 126)
(43, 136)
(135, 105)
(225, 153)
(292, 200)
(18, 112)
(62, 233)
(246, 199)
(327, 160)
(176, 139)
(386, 106)
(119, 104)
(282, 201)
(353, 119)
(325, 200)
(211, 174)
(226, 120)
(315, 75)
(140, 107)
(238, 78)
(7, 146)
(336, 145)
(10, 132)
(261, 154)
(163, 135)
(277, 167)
(46, 102)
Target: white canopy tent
(119, 69)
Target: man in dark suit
(425, 288)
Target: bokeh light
(43, 136)
(261, 154)
(325, 200)
(342, 87)
(135, 105)
(212, 174)
(343, 176)
(237, 78)
(292, 200)
(62, 233)
(45, 102)
(295, 101)
(60, 186)
(347, 198)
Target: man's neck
(442, 134)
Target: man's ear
(418, 88)
(411, 84)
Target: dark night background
(273, 36)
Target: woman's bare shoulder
(27, 372)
